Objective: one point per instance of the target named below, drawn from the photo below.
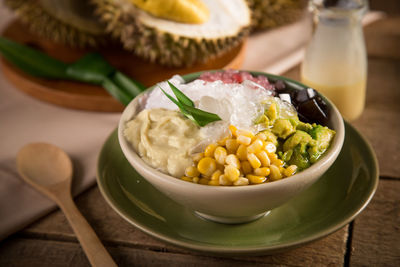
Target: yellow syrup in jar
(348, 98)
(335, 61)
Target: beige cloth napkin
(24, 120)
(81, 134)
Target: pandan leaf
(202, 117)
(127, 84)
(181, 96)
(180, 106)
(116, 92)
(32, 61)
(91, 68)
(198, 116)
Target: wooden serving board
(83, 96)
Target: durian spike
(268, 14)
(69, 22)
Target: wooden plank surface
(114, 231)
(380, 121)
(376, 232)
(39, 252)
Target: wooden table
(372, 239)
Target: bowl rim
(320, 166)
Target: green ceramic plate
(336, 199)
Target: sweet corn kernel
(207, 166)
(231, 145)
(289, 171)
(246, 167)
(254, 161)
(192, 171)
(245, 140)
(220, 155)
(277, 162)
(209, 151)
(263, 157)
(213, 182)
(270, 147)
(220, 167)
(188, 179)
(231, 173)
(261, 136)
(275, 173)
(224, 180)
(272, 156)
(197, 157)
(232, 160)
(216, 175)
(256, 146)
(264, 171)
(233, 130)
(255, 179)
(241, 152)
(245, 154)
(244, 133)
(204, 181)
(222, 142)
(241, 181)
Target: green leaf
(181, 96)
(91, 68)
(116, 92)
(173, 99)
(127, 84)
(198, 116)
(202, 117)
(180, 106)
(32, 61)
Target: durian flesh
(187, 11)
(226, 20)
(172, 43)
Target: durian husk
(57, 28)
(268, 14)
(160, 47)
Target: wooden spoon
(49, 169)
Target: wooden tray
(83, 96)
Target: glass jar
(335, 61)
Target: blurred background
(72, 113)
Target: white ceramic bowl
(233, 204)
